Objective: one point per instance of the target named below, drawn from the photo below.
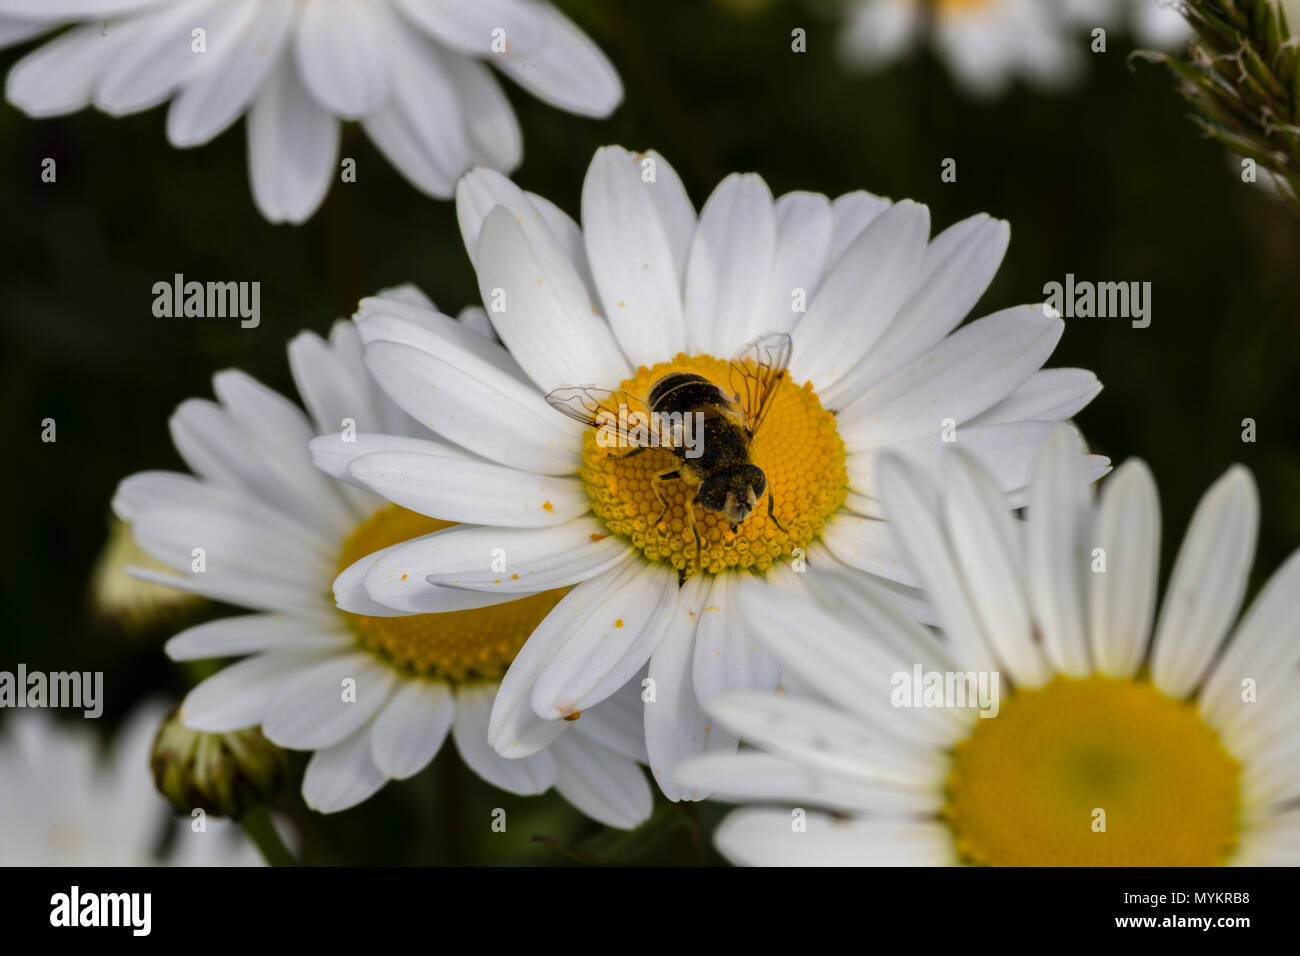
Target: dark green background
(1111, 182)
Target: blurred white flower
(64, 803)
(412, 72)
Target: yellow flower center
(1093, 772)
(797, 447)
(455, 646)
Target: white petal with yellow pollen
(323, 704)
(411, 728)
(859, 297)
(1059, 550)
(530, 774)
(539, 306)
(342, 51)
(637, 271)
(735, 241)
(350, 593)
(676, 726)
(609, 789)
(728, 656)
(1122, 601)
(239, 695)
(292, 146)
(455, 489)
(254, 633)
(221, 94)
(609, 643)
(966, 373)
(536, 559)
(1208, 583)
(765, 838)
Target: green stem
(261, 830)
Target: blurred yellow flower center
(797, 447)
(1093, 772)
(456, 646)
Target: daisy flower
(257, 526)
(648, 288)
(1110, 743)
(984, 43)
(64, 803)
(414, 73)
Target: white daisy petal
(218, 97)
(238, 696)
(341, 50)
(727, 655)
(1049, 395)
(804, 226)
(59, 77)
(610, 642)
(490, 122)
(1060, 551)
(454, 489)
(766, 838)
(342, 776)
(1208, 583)
(987, 547)
(911, 505)
(539, 307)
(292, 146)
(252, 634)
(471, 27)
(618, 722)
(1122, 600)
(734, 242)
(764, 778)
(463, 557)
(568, 71)
(676, 726)
(868, 545)
(145, 73)
(957, 267)
(606, 787)
(633, 257)
(1265, 646)
(323, 704)
(534, 773)
(852, 213)
(859, 297)
(411, 728)
(966, 373)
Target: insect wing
(755, 373)
(620, 420)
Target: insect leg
(666, 476)
(771, 509)
(632, 454)
(699, 546)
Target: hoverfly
(720, 472)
